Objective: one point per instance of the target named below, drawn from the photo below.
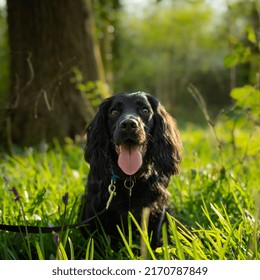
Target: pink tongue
(130, 159)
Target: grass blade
(144, 237)
(72, 256)
(128, 248)
(173, 227)
(90, 250)
(39, 251)
(166, 255)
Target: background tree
(47, 40)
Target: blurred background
(59, 59)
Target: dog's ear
(96, 149)
(166, 140)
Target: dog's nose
(128, 125)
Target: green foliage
(247, 100)
(95, 91)
(244, 49)
(42, 179)
(239, 54)
(244, 40)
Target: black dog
(133, 146)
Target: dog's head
(132, 133)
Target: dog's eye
(114, 112)
(145, 111)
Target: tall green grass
(216, 202)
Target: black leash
(40, 229)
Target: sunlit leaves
(239, 54)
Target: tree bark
(47, 39)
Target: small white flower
(37, 217)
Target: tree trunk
(47, 39)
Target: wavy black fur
(156, 131)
